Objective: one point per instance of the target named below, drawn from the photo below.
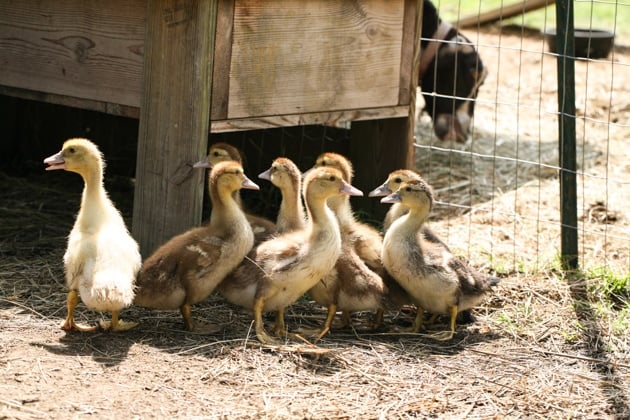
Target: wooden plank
(86, 49)
(222, 60)
(174, 118)
(291, 57)
(88, 104)
(337, 117)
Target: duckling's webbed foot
(447, 335)
(116, 324)
(69, 323)
(442, 336)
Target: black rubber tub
(589, 43)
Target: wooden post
(174, 118)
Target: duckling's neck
(415, 219)
(94, 201)
(291, 213)
(321, 217)
(343, 210)
(226, 209)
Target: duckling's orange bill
(55, 162)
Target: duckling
(220, 152)
(437, 281)
(288, 265)
(186, 269)
(102, 259)
(397, 210)
(285, 175)
(366, 239)
(356, 283)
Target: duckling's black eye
(323, 163)
(72, 150)
(408, 189)
(331, 178)
(397, 180)
(216, 153)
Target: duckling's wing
(279, 254)
(471, 281)
(202, 255)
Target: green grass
(601, 14)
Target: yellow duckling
(366, 239)
(356, 283)
(285, 175)
(221, 152)
(390, 186)
(102, 259)
(187, 268)
(290, 264)
(437, 281)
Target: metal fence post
(566, 122)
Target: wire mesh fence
(499, 193)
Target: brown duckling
(287, 266)
(285, 175)
(102, 259)
(220, 152)
(437, 281)
(186, 269)
(351, 286)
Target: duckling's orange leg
(69, 324)
(418, 322)
(330, 316)
(378, 319)
(187, 314)
(262, 335)
(279, 328)
(116, 324)
(433, 318)
(346, 319)
(447, 335)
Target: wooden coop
(186, 68)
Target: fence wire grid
(498, 194)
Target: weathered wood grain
(92, 52)
(222, 59)
(174, 118)
(290, 57)
(380, 146)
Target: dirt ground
(539, 348)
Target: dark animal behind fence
(451, 72)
